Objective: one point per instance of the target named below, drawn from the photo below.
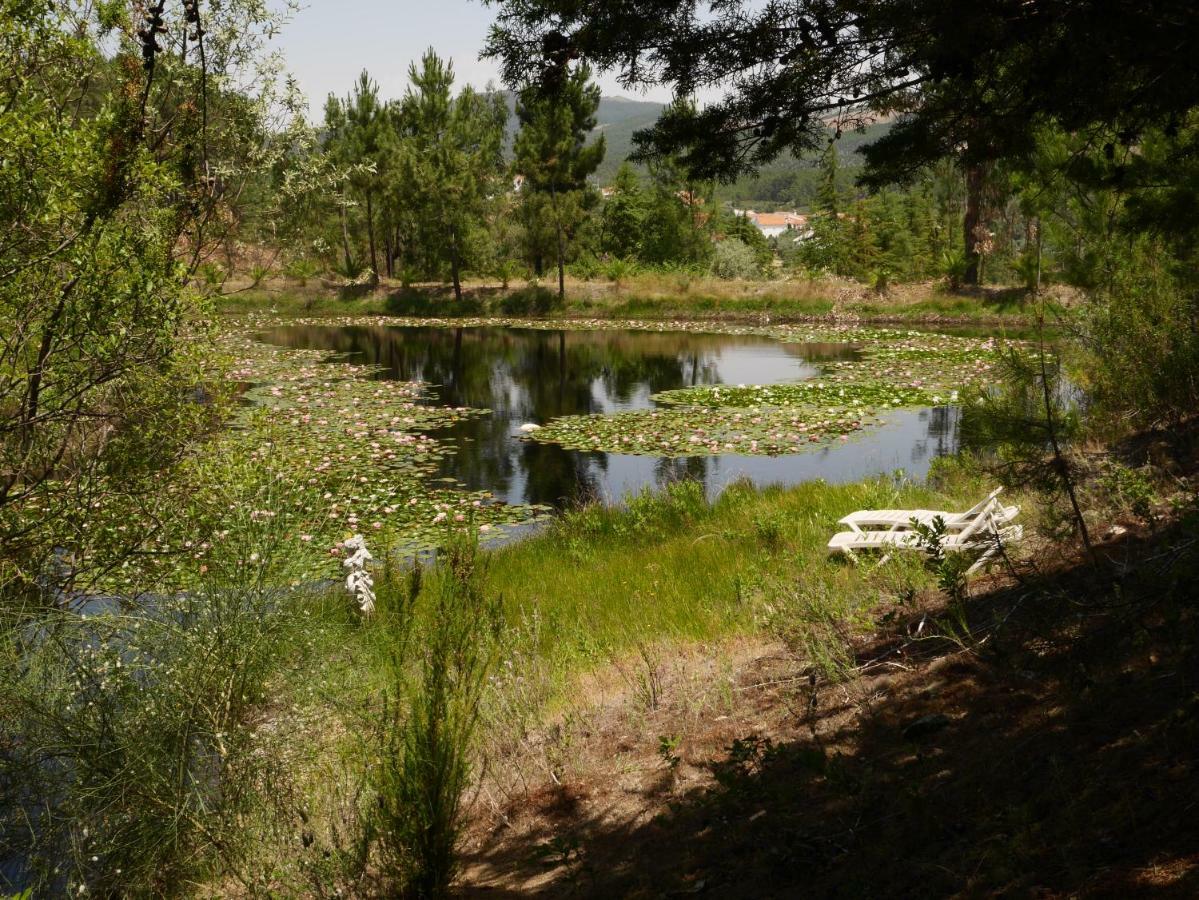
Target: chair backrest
(981, 506)
(984, 520)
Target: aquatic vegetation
(831, 395)
(896, 368)
(694, 431)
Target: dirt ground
(1050, 754)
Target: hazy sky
(330, 41)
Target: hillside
(786, 182)
(617, 117)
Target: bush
(532, 300)
(735, 260)
(139, 759)
(586, 268)
(1143, 341)
(428, 727)
(619, 270)
(301, 269)
(506, 270)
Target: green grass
(648, 296)
(672, 567)
(992, 305)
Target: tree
(624, 215)
(828, 197)
(112, 136)
(449, 162)
(553, 155)
(986, 75)
(357, 132)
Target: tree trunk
(975, 178)
(387, 257)
(454, 264)
(370, 236)
(345, 241)
(561, 247)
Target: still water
(530, 375)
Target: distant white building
(774, 224)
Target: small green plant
(880, 281)
(560, 850)
(1132, 489)
(301, 269)
(506, 270)
(747, 757)
(668, 751)
(618, 271)
(771, 531)
(408, 276)
(953, 265)
(211, 274)
(259, 273)
(950, 568)
(586, 268)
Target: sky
(328, 42)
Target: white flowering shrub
(358, 580)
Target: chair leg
(993, 548)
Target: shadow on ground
(1056, 759)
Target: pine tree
(624, 215)
(450, 162)
(357, 136)
(554, 157)
(828, 199)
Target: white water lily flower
(529, 427)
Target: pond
(525, 375)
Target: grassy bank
(602, 590)
(643, 296)
(670, 566)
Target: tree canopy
(976, 79)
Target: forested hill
(786, 183)
(618, 118)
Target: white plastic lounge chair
(986, 533)
(901, 519)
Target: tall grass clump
(131, 750)
(431, 711)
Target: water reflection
(530, 375)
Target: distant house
(774, 224)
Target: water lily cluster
(897, 369)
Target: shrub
(531, 300)
(586, 267)
(506, 270)
(735, 259)
(619, 270)
(1143, 342)
(430, 718)
(301, 269)
(139, 756)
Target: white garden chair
(985, 532)
(901, 519)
